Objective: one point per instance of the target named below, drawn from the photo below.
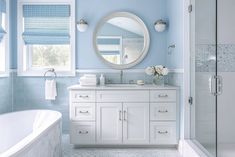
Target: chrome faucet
(121, 76)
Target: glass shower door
(203, 75)
(226, 69)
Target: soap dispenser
(102, 80)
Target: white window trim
(6, 38)
(21, 45)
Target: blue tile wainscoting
(6, 94)
(28, 92)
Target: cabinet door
(109, 123)
(136, 123)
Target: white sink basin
(121, 85)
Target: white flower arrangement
(157, 70)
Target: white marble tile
(70, 151)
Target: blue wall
(174, 9)
(28, 93)
(93, 11)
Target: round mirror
(121, 40)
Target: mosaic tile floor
(69, 151)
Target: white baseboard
(189, 149)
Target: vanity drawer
(163, 95)
(82, 96)
(163, 111)
(83, 111)
(82, 133)
(163, 133)
(123, 96)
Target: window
(4, 38)
(111, 48)
(46, 34)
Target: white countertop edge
(137, 87)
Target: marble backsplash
(206, 60)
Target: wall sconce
(82, 25)
(160, 25)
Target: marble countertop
(121, 86)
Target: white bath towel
(50, 90)
(88, 80)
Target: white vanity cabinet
(138, 115)
(109, 123)
(135, 123)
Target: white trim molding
(82, 71)
(190, 149)
(7, 41)
(125, 71)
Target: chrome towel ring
(50, 71)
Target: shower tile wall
(5, 95)
(205, 58)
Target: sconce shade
(160, 25)
(82, 25)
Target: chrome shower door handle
(219, 81)
(216, 85)
(212, 88)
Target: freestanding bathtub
(33, 133)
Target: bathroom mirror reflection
(121, 40)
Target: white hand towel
(50, 90)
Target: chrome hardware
(83, 132)
(190, 8)
(212, 80)
(50, 71)
(216, 81)
(163, 132)
(121, 76)
(120, 115)
(83, 111)
(190, 100)
(125, 115)
(160, 111)
(219, 84)
(83, 96)
(162, 95)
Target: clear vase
(158, 80)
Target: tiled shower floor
(69, 151)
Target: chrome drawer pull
(120, 115)
(125, 119)
(163, 132)
(162, 95)
(83, 111)
(83, 132)
(160, 111)
(83, 96)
